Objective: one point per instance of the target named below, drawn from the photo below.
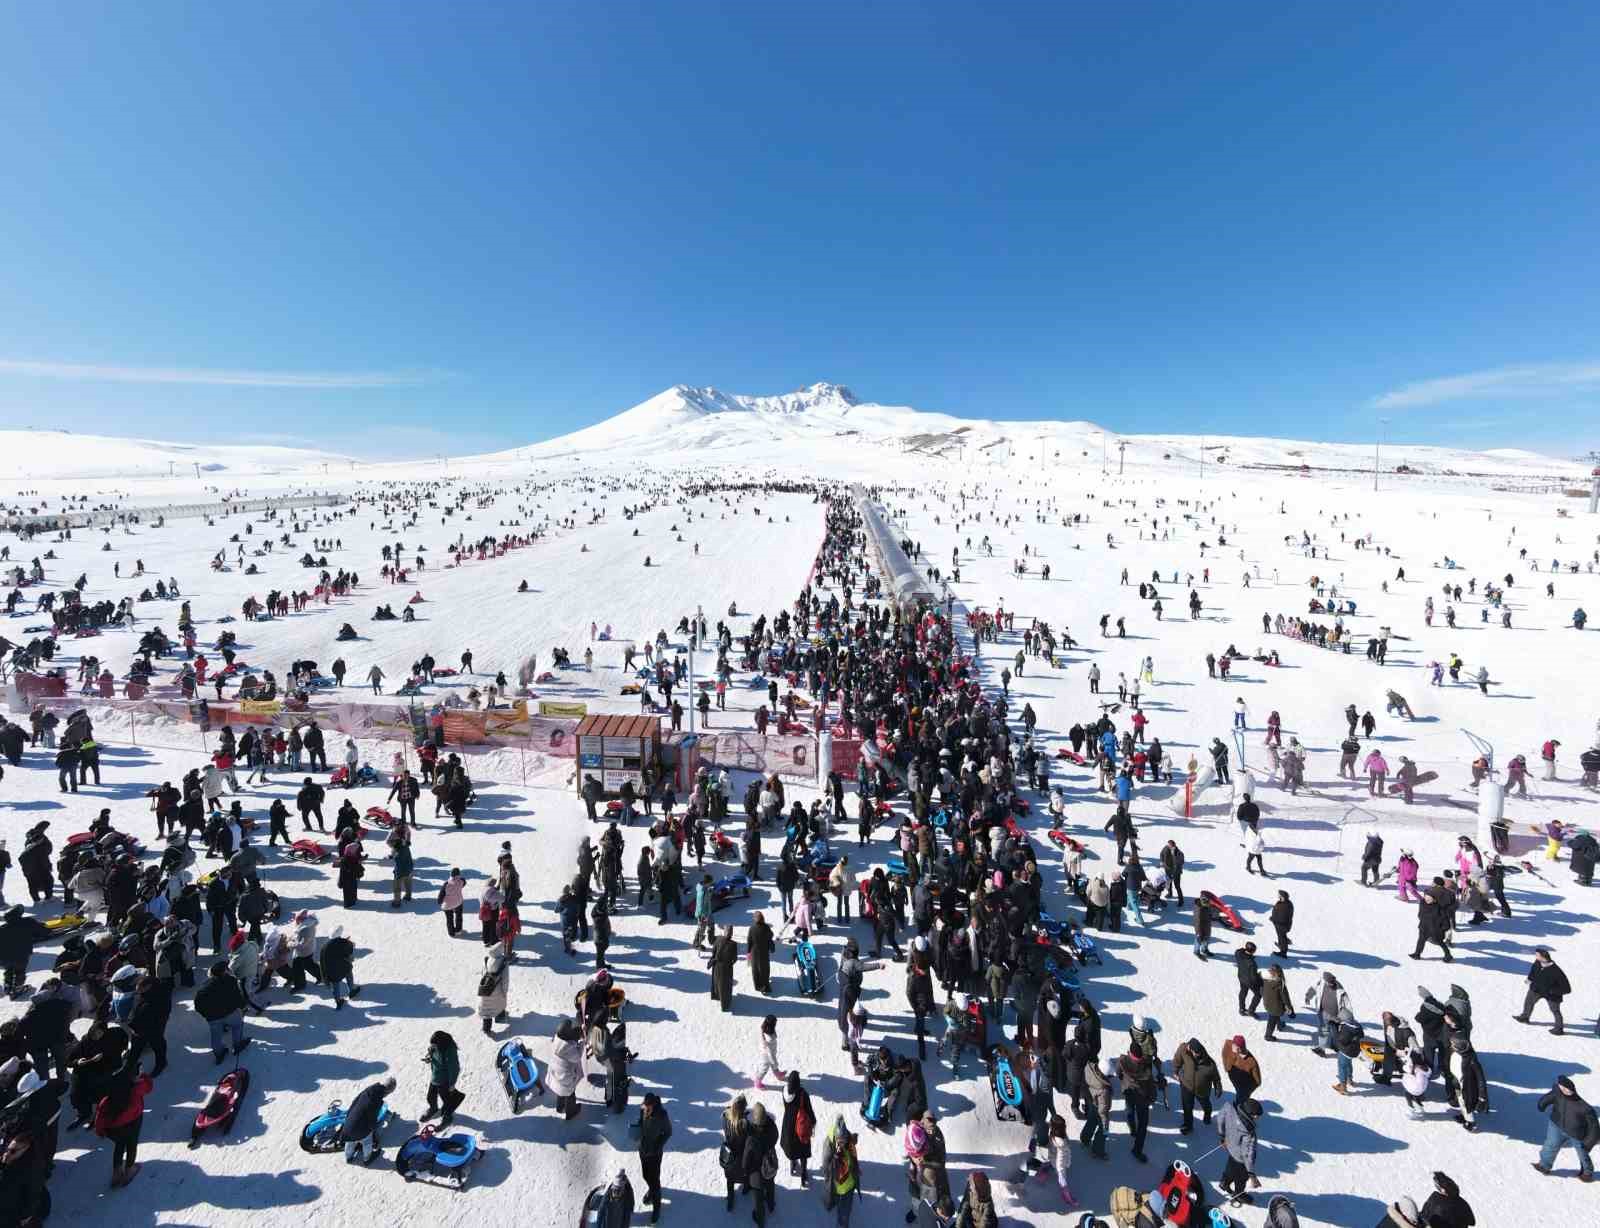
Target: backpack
(488, 983)
(804, 1123)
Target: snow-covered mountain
(825, 424)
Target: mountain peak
(824, 395)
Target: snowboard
(1423, 778)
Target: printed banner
(563, 707)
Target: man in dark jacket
(67, 767)
(1571, 1121)
(1282, 918)
(1547, 982)
(338, 967)
(221, 1002)
(359, 1133)
(1249, 978)
(655, 1128)
(1446, 1206)
(1198, 1081)
(19, 933)
(309, 802)
(148, 1022)
(1432, 923)
(1172, 863)
(46, 1028)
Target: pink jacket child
(1406, 878)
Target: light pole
(1376, 449)
(1122, 455)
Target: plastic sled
(1223, 909)
(1372, 1051)
(1182, 1195)
(807, 980)
(321, 1133)
(341, 775)
(734, 886)
(896, 867)
(1083, 946)
(366, 774)
(448, 1156)
(308, 850)
(519, 1073)
(380, 816)
(1014, 829)
(1065, 978)
(941, 820)
(1067, 843)
(67, 923)
(1010, 1104)
(1218, 1218)
(722, 846)
(1071, 756)
(873, 1111)
(222, 1106)
(1051, 926)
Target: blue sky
(411, 229)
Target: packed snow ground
(1341, 1160)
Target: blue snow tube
(1006, 1086)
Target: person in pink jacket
(1377, 772)
(1406, 878)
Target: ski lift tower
(1594, 483)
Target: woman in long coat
(759, 946)
(724, 954)
(497, 978)
(566, 1068)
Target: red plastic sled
(380, 816)
(341, 775)
(222, 1106)
(1223, 909)
(1062, 840)
(1014, 830)
(308, 850)
(1181, 1194)
(1064, 753)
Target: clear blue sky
(418, 228)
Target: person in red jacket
(119, 1117)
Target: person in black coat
(1432, 924)
(1282, 918)
(758, 948)
(19, 933)
(359, 1133)
(222, 905)
(602, 932)
(724, 956)
(338, 966)
(34, 861)
(797, 1108)
(152, 1008)
(46, 1027)
(1548, 983)
(1446, 1206)
(760, 1142)
(1244, 959)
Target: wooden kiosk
(614, 749)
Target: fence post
(133, 728)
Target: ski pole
(1208, 1154)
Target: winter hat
(1406, 1208)
(1445, 1185)
(124, 974)
(1567, 1085)
(1238, 1042)
(1138, 1022)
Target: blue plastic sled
(873, 1113)
(446, 1156)
(1009, 1101)
(805, 968)
(731, 887)
(519, 1074)
(1065, 978)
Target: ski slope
(1341, 1160)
